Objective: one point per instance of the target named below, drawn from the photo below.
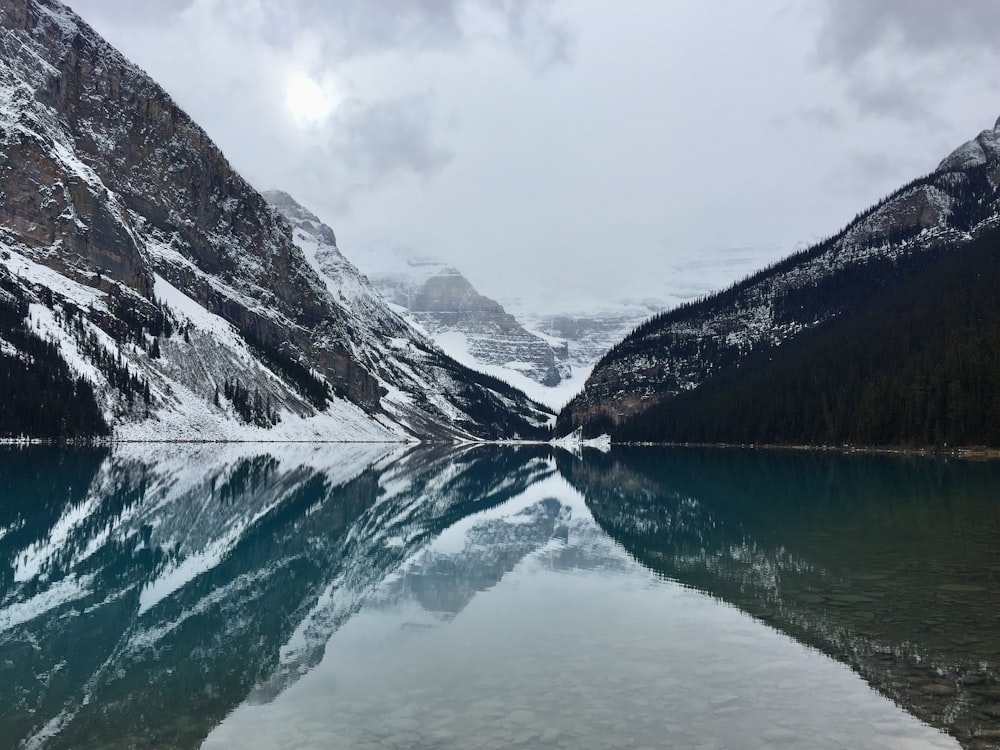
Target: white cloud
(572, 149)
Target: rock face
(980, 151)
(467, 324)
(448, 302)
(681, 349)
(130, 240)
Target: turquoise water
(367, 596)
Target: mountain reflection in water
(888, 564)
(165, 596)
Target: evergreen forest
(39, 394)
(917, 364)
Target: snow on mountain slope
(468, 325)
(389, 346)
(981, 150)
(587, 335)
(680, 349)
(520, 348)
(186, 381)
(169, 286)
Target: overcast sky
(578, 151)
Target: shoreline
(968, 452)
(973, 452)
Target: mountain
(400, 353)
(470, 326)
(588, 335)
(148, 291)
(547, 355)
(885, 333)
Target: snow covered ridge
(161, 295)
(575, 442)
(678, 350)
(443, 311)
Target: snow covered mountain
(492, 335)
(468, 325)
(588, 335)
(147, 291)
(548, 356)
(931, 218)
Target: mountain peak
(299, 215)
(982, 149)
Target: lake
(383, 596)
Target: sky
(574, 154)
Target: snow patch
(62, 592)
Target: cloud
(342, 92)
(854, 29)
(129, 11)
(387, 137)
(362, 27)
(898, 57)
(862, 170)
(353, 28)
(535, 32)
(892, 96)
(824, 117)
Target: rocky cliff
(587, 336)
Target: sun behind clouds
(309, 102)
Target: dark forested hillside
(876, 335)
(917, 365)
(51, 402)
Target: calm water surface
(378, 597)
